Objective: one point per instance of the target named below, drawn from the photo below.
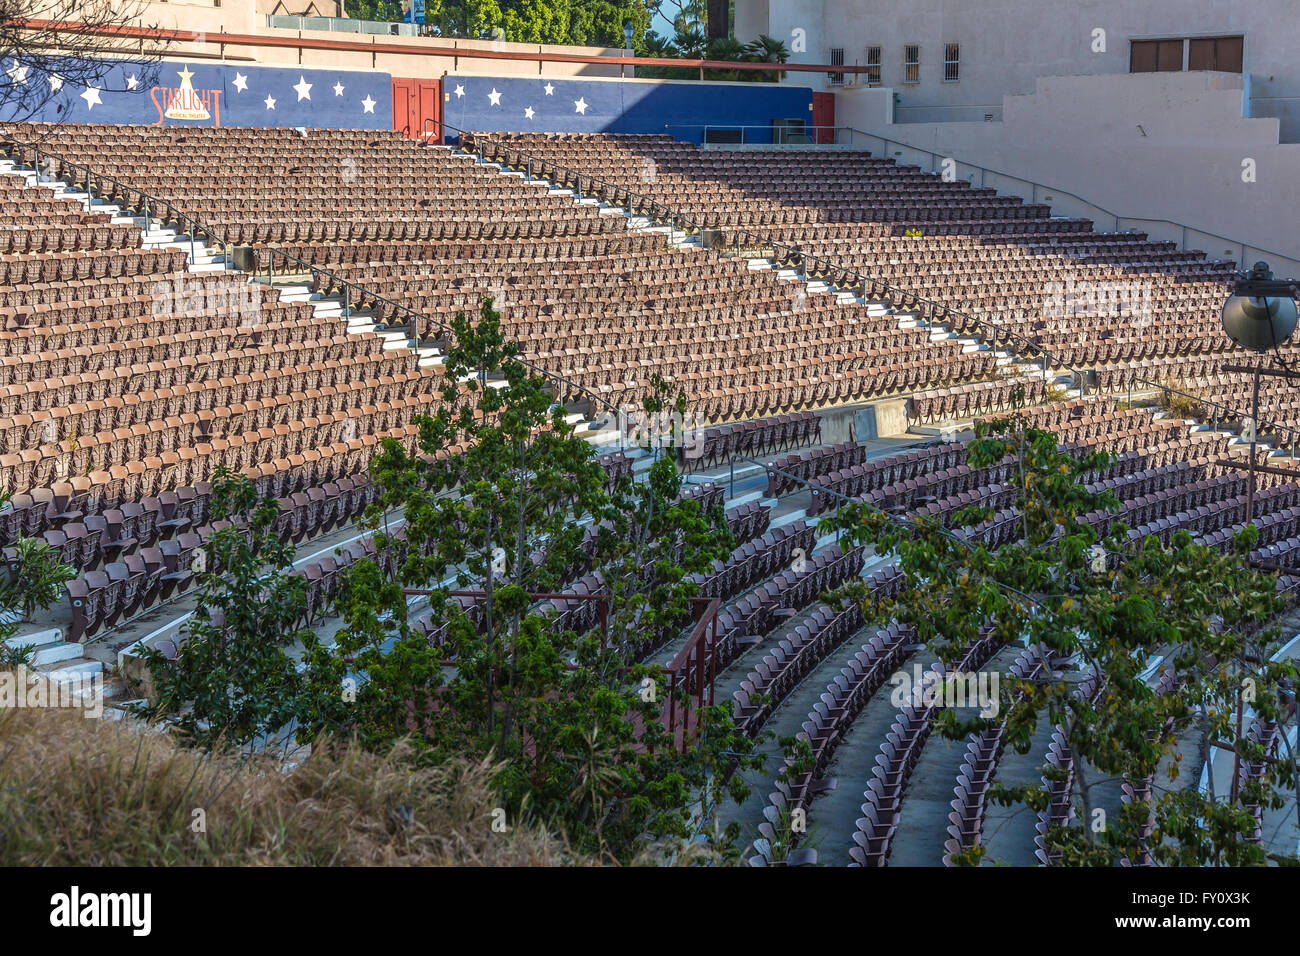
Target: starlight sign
(179, 93)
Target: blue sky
(662, 25)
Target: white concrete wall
(1007, 44)
(863, 108)
(1145, 146)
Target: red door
(823, 116)
(402, 90)
(417, 108)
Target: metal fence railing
(1065, 203)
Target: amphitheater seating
(584, 298)
(1120, 304)
(121, 398)
(965, 822)
(897, 758)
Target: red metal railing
(693, 672)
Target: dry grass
(1181, 406)
(98, 793)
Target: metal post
(1250, 487)
(1236, 751)
(146, 215)
(672, 705)
(713, 656)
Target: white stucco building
(1185, 110)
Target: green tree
(574, 22)
(690, 42)
(726, 48)
(383, 10)
(35, 581)
(1111, 607)
(765, 49)
(233, 679)
(498, 501)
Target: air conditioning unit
(789, 131)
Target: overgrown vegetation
(1180, 402)
(34, 582)
(233, 681)
(700, 29)
(1112, 609)
(78, 792)
(503, 500)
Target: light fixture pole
(1259, 315)
(627, 48)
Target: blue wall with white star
(177, 93)
(134, 92)
(502, 103)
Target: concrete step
(36, 639)
(785, 519)
(744, 499)
(55, 653)
(75, 670)
(111, 690)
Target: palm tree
(655, 45)
(766, 49)
(726, 49)
(690, 42)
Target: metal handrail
(1035, 186)
(124, 191)
(1228, 412)
(776, 131)
(935, 310)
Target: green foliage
(390, 11)
(573, 22)
(498, 501)
(233, 679)
(1112, 607)
(16, 656)
(36, 583)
